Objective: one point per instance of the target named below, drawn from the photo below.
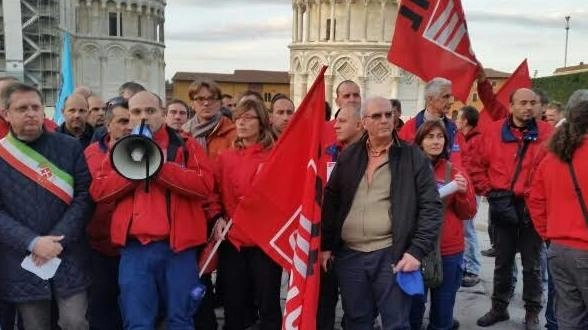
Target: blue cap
(411, 282)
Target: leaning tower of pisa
(352, 37)
(115, 41)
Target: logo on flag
(431, 40)
(447, 28)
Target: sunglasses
(118, 101)
(378, 115)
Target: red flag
(282, 211)
(431, 40)
(498, 104)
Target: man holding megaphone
(158, 228)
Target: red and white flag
(431, 40)
(282, 211)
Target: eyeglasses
(201, 99)
(378, 115)
(246, 117)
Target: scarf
(200, 131)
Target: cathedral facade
(352, 37)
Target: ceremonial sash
(36, 167)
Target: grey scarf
(200, 131)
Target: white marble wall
(355, 50)
(103, 62)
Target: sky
(226, 35)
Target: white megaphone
(137, 156)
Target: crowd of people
(128, 252)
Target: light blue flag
(67, 79)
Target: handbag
(432, 264)
(578, 192)
(502, 202)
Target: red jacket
(172, 209)
(553, 202)
(457, 142)
(470, 149)
(235, 172)
(458, 207)
(497, 156)
(98, 228)
(49, 125)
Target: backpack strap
(578, 192)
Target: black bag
(502, 207)
(431, 264)
(503, 210)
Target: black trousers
(245, 269)
(508, 239)
(328, 297)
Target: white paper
(45, 271)
(330, 167)
(448, 189)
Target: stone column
(294, 22)
(332, 34)
(365, 20)
(383, 9)
(348, 20)
(329, 79)
(307, 21)
(300, 22)
(362, 82)
(318, 20)
(394, 87)
(303, 84)
(292, 81)
(420, 96)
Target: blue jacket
(27, 210)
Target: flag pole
(216, 246)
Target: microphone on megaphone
(137, 156)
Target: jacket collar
(529, 133)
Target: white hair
(434, 86)
(374, 99)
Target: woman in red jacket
(557, 213)
(247, 270)
(432, 138)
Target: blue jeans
(368, 288)
(471, 254)
(152, 274)
(442, 297)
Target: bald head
(146, 106)
(84, 91)
(522, 106)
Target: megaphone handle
(146, 172)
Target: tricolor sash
(36, 167)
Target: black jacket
(416, 209)
(27, 210)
